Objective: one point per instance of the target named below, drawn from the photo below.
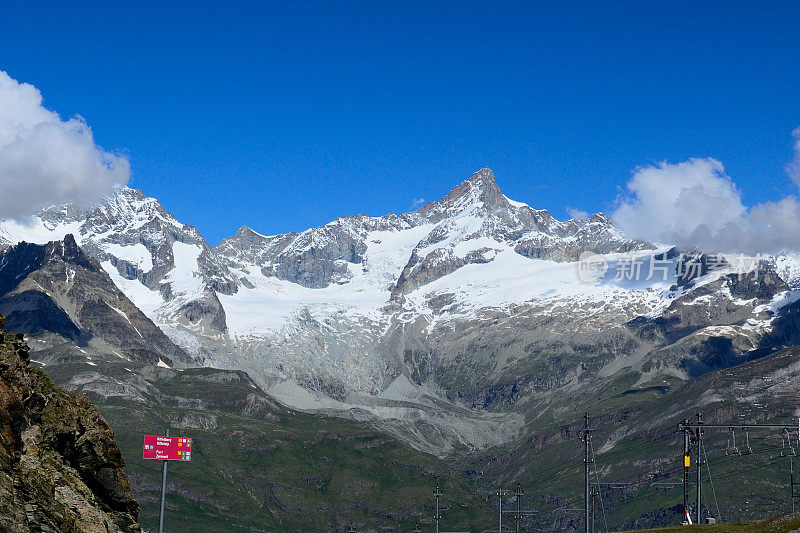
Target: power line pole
(686, 464)
(500, 510)
(791, 481)
(699, 469)
(587, 460)
(519, 492)
(693, 433)
(437, 517)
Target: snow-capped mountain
(446, 325)
(56, 293)
(156, 261)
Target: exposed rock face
(460, 326)
(314, 258)
(127, 220)
(57, 292)
(476, 211)
(60, 469)
(719, 323)
(137, 242)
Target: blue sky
(285, 116)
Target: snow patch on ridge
(147, 300)
(514, 203)
(185, 278)
(135, 254)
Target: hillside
(781, 524)
(60, 469)
(638, 451)
(260, 466)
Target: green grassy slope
(258, 466)
(639, 452)
(261, 467)
(781, 524)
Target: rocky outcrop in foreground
(60, 469)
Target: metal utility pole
(699, 469)
(587, 460)
(686, 463)
(595, 492)
(519, 492)
(791, 480)
(437, 516)
(500, 509)
(693, 433)
(163, 493)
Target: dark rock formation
(58, 289)
(60, 469)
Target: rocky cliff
(72, 310)
(60, 469)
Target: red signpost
(167, 448)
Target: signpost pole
(163, 494)
(165, 448)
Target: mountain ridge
(444, 326)
(56, 291)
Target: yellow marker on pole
(686, 461)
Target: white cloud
(418, 202)
(669, 202)
(45, 160)
(696, 205)
(574, 212)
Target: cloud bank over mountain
(45, 160)
(695, 204)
